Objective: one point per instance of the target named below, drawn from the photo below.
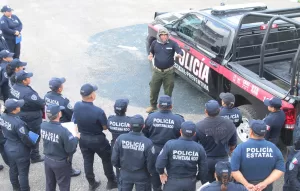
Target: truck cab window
(188, 25)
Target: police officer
(3, 44)
(59, 146)
(118, 124)
(6, 57)
(163, 50)
(11, 27)
(257, 163)
(55, 97)
(292, 169)
(134, 155)
(3, 154)
(223, 176)
(275, 120)
(182, 158)
(162, 126)
(91, 121)
(228, 110)
(12, 68)
(217, 135)
(17, 145)
(31, 112)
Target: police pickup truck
(246, 49)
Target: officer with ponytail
(223, 177)
(228, 110)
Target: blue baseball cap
(12, 104)
(274, 102)
(55, 83)
(227, 97)
(6, 53)
(259, 127)
(22, 75)
(6, 8)
(87, 89)
(223, 167)
(54, 109)
(121, 104)
(137, 122)
(212, 107)
(15, 63)
(165, 101)
(188, 128)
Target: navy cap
(55, 83)
(12, 104)
(274, 102)
(223, 167)
(165, 101)
(54, 109)
(137, 122)
(188, 128)
(87, 89)
(228, 98)
(6, 8)
(5, 54)
(121, 104)
(259, 127)
(22, 75)
(212, 107)
(15, 63)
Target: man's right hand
(163, 178)
(150, 57)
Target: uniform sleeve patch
(69, 106)
(22, 130)
(161, 151)
(268, 127)
(153, 150)
(295, 161)
(291, 166)
(34, 97)
(71, 137)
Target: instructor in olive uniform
(162, 50)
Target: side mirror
(170, 27)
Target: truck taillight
(290, 118)
(265, 26)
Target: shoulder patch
(295, 161)
(71, 137)
(162, 150)
(291, 166)
(34, 97)
(22, 130)
(268, 128)
(153, 150)
(69, 106)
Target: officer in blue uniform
(228, 110)
(257, 163)
(118, 124)
(12, 68)
(217, 135)
(6, 58)
(55, 97)
(275, 120)
(182, 158)
(292, 168)
(91, 121)
(17, 145)
(31, 112)
(162, 126)
(3, 44)
(3, 154)
(59, 147)
(134, 155)
(223, 177)
(11, 27)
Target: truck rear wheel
(248, 113)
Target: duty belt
(164, 70)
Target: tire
(248, 113)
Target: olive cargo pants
(158, 78)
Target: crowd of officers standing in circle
(163, 152)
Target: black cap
(22, 75)
(87, 89)
(223, 167)
(55, 83)
(54, 109)
(5, 54)
(165, 101)
(15, 63)
(12, 104)
(6, 8)
(188, 128)
(259, 127)
(274, 102)
(212, 107)
(228, 98)
(121, 104)
(137, 123)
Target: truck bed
(279, 70)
